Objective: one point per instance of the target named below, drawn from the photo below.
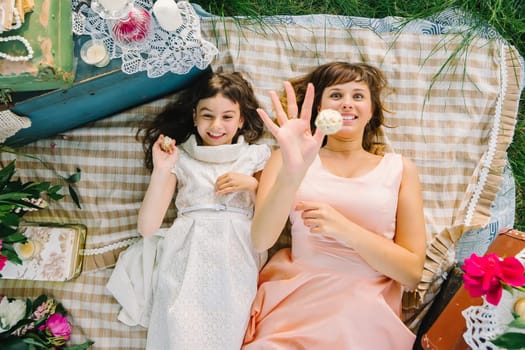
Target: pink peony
(486, 275)
(59, 326)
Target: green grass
(507, 17)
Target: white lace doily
(487, 322)
(162, 51)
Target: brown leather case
(447, 331)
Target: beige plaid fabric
(112, 185)
(453, 117)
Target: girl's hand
(298, 146)
(235, 182)
(324, 219)
(164, 159)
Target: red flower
(486, 275)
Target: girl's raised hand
(164, 159)
(298, 146)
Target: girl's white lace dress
(192, 284)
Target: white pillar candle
(168, 14)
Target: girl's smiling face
(353, 101)
(217, 120)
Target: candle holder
(129, 24)
(94, 52)
(133, 28)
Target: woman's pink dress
(321, 294)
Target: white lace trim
(10, 123)
(487, 159)
(162, 52)
(109, 247)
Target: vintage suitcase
(47, 28)
(51, 254)
(446, 332)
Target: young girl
(358, 230)
(192, 285)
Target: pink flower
(3, 260)
(59, 326)
(486, 275)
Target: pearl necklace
(17, 58)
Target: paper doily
(162, 52)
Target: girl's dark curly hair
(335, 73)
(176, 120)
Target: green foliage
(70, 180)
(510, 340)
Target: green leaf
(15, 237)
(6, 173)
(55, 196)
(37, 186)
(52, 192)
(82, 346)
(14, 196)
(6, 230)
(510, 340)
(74, 195)
(12, 256)
(10, 219)
(517, 323)
(40, 300)
(35, 340)
(14, 343)
(74, 178)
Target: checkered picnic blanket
(453, 104)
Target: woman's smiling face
(353, 101)
(217, 120)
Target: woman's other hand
(323, 219)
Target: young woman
(358, 230)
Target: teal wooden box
(96, 93)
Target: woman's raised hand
(298, 146)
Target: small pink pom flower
(486, 275)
